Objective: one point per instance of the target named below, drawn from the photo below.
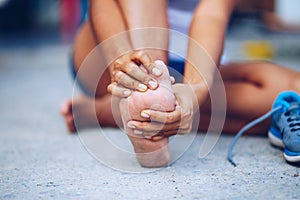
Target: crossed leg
(251, 88)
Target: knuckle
(117, 64)
(118, 61)
(133, 84)
(140, 57)
(170, 117)
(119, 75)
(130, 68)
(185, 126)
(177, 114)
(139, 54)
(150, 66)
(146, 79)
(109, 88)
(188, 113)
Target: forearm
(108, 23)
(205, 49)
(207, 32)
(148, 22)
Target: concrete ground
(40, 160)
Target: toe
(66, 108)
(70, 124)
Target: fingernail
(131, 126)
(156, 71)
(153, 84)
(127, 92)
(148, 137)
(142, 87)
(145, 114)
(156, 138)
(138, 132)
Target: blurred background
(32, 22)
(39, 159)
(40, 20)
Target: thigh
(90, 66)
(251, 89)
(262, 74)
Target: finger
(117, 65)
(154, 127)
(133, 134)
(118, 91)
(163, 117)
(136, 72)
(176, 132)
(161, 135)
(168, 133)
(142, 58)
(129, 82)
(157, 138)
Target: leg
(251, 89)
(82, 108)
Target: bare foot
(80, 113)
(149, 153)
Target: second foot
(84, 112)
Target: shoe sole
(275, 140)
(291, 158)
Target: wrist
(201, 91)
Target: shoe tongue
(294, 108)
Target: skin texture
(149, 153)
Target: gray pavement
(40, 160)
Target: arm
(100, 11)
(207, 31)
(149, 20)
(121, 43)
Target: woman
(109, 21)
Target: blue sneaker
(285, 126)
(279, 122)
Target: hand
(133, 71)
(166, 124)
(122, 92)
